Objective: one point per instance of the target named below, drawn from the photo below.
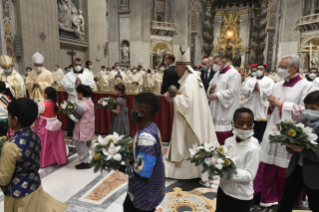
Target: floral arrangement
(106, 103)
(3, 139)
(67, 107)
(215, 160)
(289, 133)
(111, 152)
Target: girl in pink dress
(48, 128)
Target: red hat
(113, 67)
(205, 57)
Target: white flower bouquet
(111, 152)
(67, 107)
(106, 103)
(289, 133)
(215, 160)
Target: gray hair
(294, 60)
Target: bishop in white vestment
(224, 93)
(255, 91)
(286, 103)
(191, 125)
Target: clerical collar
(78, 72)
(224, 71)
(291, 82)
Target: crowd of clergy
(204, 107)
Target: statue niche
(125, 49)
(71, 20)
(159, 52)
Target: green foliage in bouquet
(111, 152)
(67, 107)
(213, 160)
(289, 133)
(106, 103)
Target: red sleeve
(280, 113)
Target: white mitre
(184, 58)
(38, 58)
(5, 61)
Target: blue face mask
(90, 67)
(311, 115)
(204, 68)
(165, 63)
(117, 68)
(8, 71)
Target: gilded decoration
(8, 36)
(229, 38)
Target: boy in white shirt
(236, 194)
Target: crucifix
(72, 53)
(310, 53)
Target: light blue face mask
(311, 115)
(117, 68)
(204, 68)
(165, 63)
(90, 67)
(8, 71)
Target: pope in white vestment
(11, 77)
(58, 76)
(191, 125)
(224, 93)
(39, 79)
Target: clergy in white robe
(118, 76)
(104, 80)
(58, 75)
(11, 77)
(158, 80)
(148, 83)
(39, 79)
(285, 103)
(224, 93)
(143, 73)
(71, 80)
(136, 82)
(191, 125)
(89, 69)
(255, 91)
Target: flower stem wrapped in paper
(106, 103)
(215, 160)
(67, 107)
(111, 152)
(289, 133)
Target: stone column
(154, 10)
(313, 9)
(166, 11)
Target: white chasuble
(192, 124)
(44, 78)
(292, 93)
(227, 89)
(257, 100)
(16, 82)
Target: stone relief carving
(70, 19)
(124, 2)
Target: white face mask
(216, 67)
(78, 68)
(283, 73)
(243, 134)
(107, 72)
(312, 76)
(253, 74)
(162, 69)
(39, 69)
(311, 115)
(134, 71)
(259, 73)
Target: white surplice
(58, 76)
(158, 80)
(69, 86)
(191, 125)
(291, 109)
(228, 93)
(257, 100)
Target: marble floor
(86, 191)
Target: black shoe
(83, 166)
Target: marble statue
(160, 57)
(78, 24)
(125, 50)
(237, 59)
(315, 59)
(65, 9)
(124, 2)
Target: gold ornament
(3, 138)
(227, 162)
(292, 133)
(221, 150)
(197, 157)
(97, 156)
